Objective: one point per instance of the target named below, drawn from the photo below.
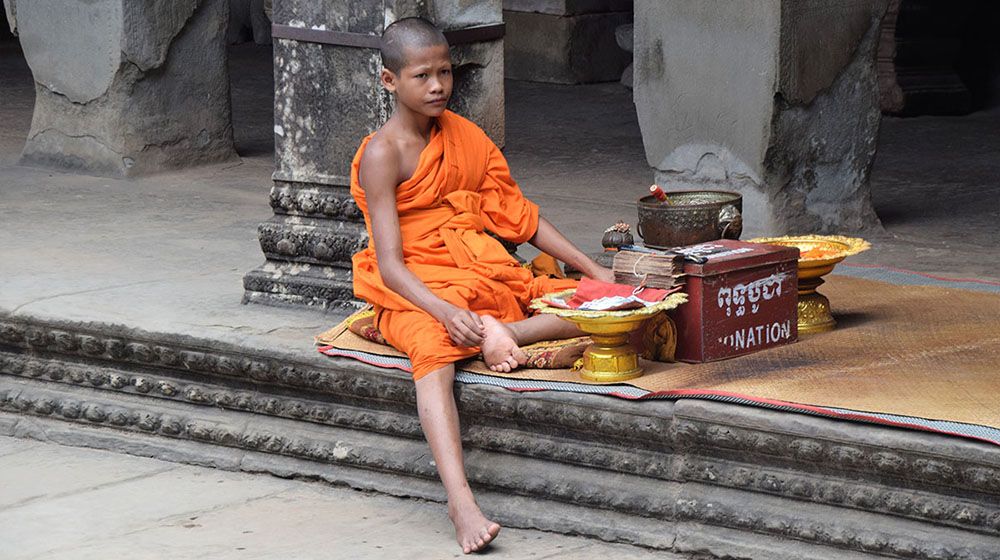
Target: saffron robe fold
(461, 189)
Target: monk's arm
(381, 172)
(548, 239)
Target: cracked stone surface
(127, 88)
(165, 510)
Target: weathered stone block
(777, 100)
(478, 91)
(326, 99)
(126, 88)
(565, 49)
(452, 14)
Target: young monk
(431, 184)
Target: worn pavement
(67, 503)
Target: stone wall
(126, 88)
(777, 100)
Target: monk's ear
(388, 79)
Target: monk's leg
(543, 327)
(501, 347)
(439, 419)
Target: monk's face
(424, 84)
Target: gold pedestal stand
(814, 307)
(610, 358)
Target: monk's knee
(440, 375)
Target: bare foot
(472, 530)
(500, 350)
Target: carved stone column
(920, 54)
(125, 88)
(327, 98)
(890, 94)
(776, 99)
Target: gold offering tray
(813, 307)
(610, 357)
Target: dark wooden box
(742, 299)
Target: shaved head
(404, 34)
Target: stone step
(688, 476)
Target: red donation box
(742, 299)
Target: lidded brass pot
(689, 218)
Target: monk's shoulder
(381, 149)
(380, 162)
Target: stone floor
(167, 253)
(59, 502)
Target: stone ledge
(689, 476)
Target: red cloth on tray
(589, 290)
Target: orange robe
(461, 188)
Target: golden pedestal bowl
(827, 251)
(610, 357)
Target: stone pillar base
(300, 285)
(308, 243)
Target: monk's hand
(464, 327)
(602, 274)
